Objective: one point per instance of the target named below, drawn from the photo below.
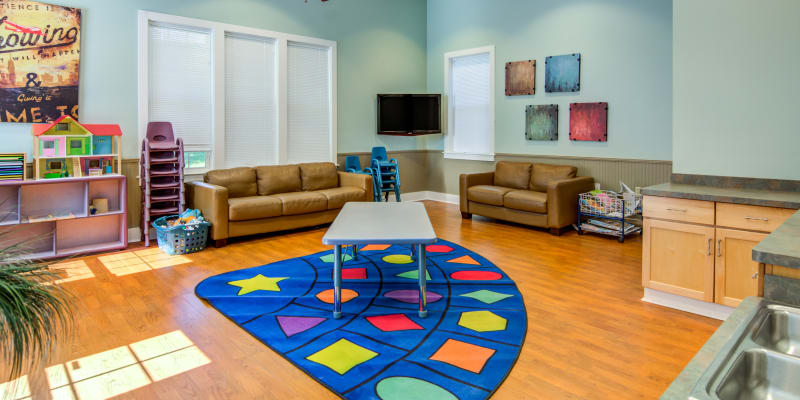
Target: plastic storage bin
(180, 239)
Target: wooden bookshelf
(52, 216)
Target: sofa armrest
(465, 181)
(212, 201)
(362, 181)
(562, 200)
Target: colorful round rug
(381, 348)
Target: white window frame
(217, 31)
(449, 134)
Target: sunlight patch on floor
(120, 370)
(141, 260)
(18, 389)
(71, 271)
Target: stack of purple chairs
(160, 175)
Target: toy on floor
(188, 218)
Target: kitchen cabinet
(678, 258)
(737, 275)
(702, 250)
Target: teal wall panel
(626, 60)
(736, 81)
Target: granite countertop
(682, 386)
(781, 247)
(755, 197)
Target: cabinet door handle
(677, 209)
(709, 246)
(719, 247)
(756, 218)
(755, 276)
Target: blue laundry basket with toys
(180, 239)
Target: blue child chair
(353, 164)
(385, 173)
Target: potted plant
(35, 311)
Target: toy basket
(181, 239)
(610, 204)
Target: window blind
(470, 103)
(308, 108)
(251, 134)
(180, 81)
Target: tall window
(238, 96)
(179, 61)
(469, 86)
(251, 131)
(309, 103)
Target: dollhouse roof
(94, 129)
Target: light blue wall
(737, 78)
(626, 48)
(381, 48)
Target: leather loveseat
(541, 195)
(245, 201)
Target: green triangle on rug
(487, 296)
(414, 274)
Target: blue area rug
(381, 348)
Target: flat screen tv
(409, 114)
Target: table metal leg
(337, 281)
(423, 294)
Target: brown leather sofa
(540, 195)
(246, 201)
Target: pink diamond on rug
(294, 325)
(393, 322)
(353, 273)
(412, 296)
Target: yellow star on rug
(258, 282)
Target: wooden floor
(589, 336)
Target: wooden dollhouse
(69, 149)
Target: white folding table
(361, 223)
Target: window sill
(469, 156)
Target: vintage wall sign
(39, 61)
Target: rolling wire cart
(609, 213)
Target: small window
(49, 145)
(469, 87)
(54, 165)
(94, 163)
(75, 144)
(196, 159)
(62, 126)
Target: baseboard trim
(429, 195)
(134, 235)
(711, 310)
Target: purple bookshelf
(51, 216)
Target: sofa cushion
(340, 195)
(278, 179)
(543, 174)
(316, 176)
(526, 200)
(515, 175)
(302, 202)
(241, 182)
(253, 207)
(487, 194)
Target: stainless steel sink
(780, 330)
(760, 361)
(761, 374)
